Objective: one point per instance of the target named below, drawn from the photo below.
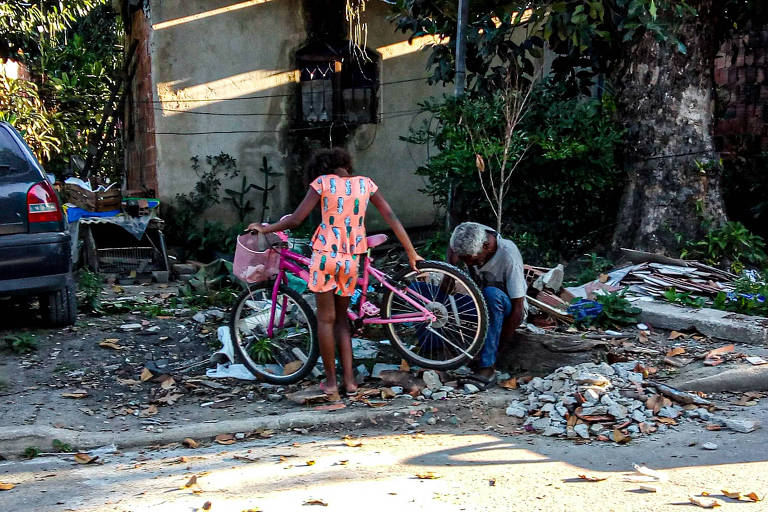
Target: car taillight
(42, 204)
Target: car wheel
(59, 308)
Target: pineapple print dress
(340, 237)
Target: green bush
(565, 188)
(749, 297)
(731, 245)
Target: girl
(337, 245)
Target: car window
(12, 158)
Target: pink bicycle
(436, 317)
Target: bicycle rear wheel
(292, 350)
(458, 332)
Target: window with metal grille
(338, 86)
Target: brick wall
(742, 94)
(140, 150)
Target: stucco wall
(223, 51)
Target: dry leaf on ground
(190, 443)
(6, 487)
(246, 458)
(191, 482)
(292, 367)
(78, 393)
(731, 494)
(676, 352)
(620, 437)
(352, 443)
(657, 402)
(316, 502)
(404, 366)
(509, 383)
(111, 343)
(676, 334)
(704, 502)
(754, 497)
(224, 439)
(592, 478)
(429, 475)
(145, 375)
(310, 463)
(84, 458)
(207, 505)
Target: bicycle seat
(376, 240)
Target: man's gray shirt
(504, 270)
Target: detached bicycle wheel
(458, 332)
(290, 353)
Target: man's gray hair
(468, 238)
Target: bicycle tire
(240, 340)
(410, 348)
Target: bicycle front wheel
(457, 333)
(290, 353)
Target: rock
(607, 400)
(554, 430)
(638, 416)
(561, 409)
(447, 389)
(556, 417)
(633, 429)
(547, 398)
(470, 388)
(743, 426)
(709, 446)
(362, 374)
(431, 420)
(591, 395)
(582, 430)
(397, 390)
(668, 412)
(618, 411)
(215, 313)
(160, 276)
(432, 380)
(199, 318)
(274, 397)
(703, 414)
(569, 401)
(570, 433)
(598, 410)
(380, 367)
(517, 410)
(439, 395)
(426, 392)
(364, 349)
(635, 377)
(595, 379)
(596, 429)
(240, 436)
(541, 423)
(154, 328)
(130, 327)
(605, 369)
(548, 408)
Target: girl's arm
(389, 217)
(292, 220)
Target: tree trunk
(666, 100)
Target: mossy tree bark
(666, 101)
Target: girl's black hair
(326, 161)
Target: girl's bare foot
(331, 391)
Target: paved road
(477, 471)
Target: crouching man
(497, 266)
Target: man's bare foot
(350, 390)
(486, 372)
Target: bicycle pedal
(370, 309)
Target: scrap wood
(677, 395)
(554, 312)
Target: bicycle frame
(296, 264)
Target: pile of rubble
(610, 402)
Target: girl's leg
(326, 318)
(344, 342)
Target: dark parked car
(35, 254)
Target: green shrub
(749, 297)
(89, 287)
(731, 245)
(566, 186)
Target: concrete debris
(709, 446)
(591, 400)
(130, 327)
(432, 380)
(199, 318)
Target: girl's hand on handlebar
(255, 227)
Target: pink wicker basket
(255, 258)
